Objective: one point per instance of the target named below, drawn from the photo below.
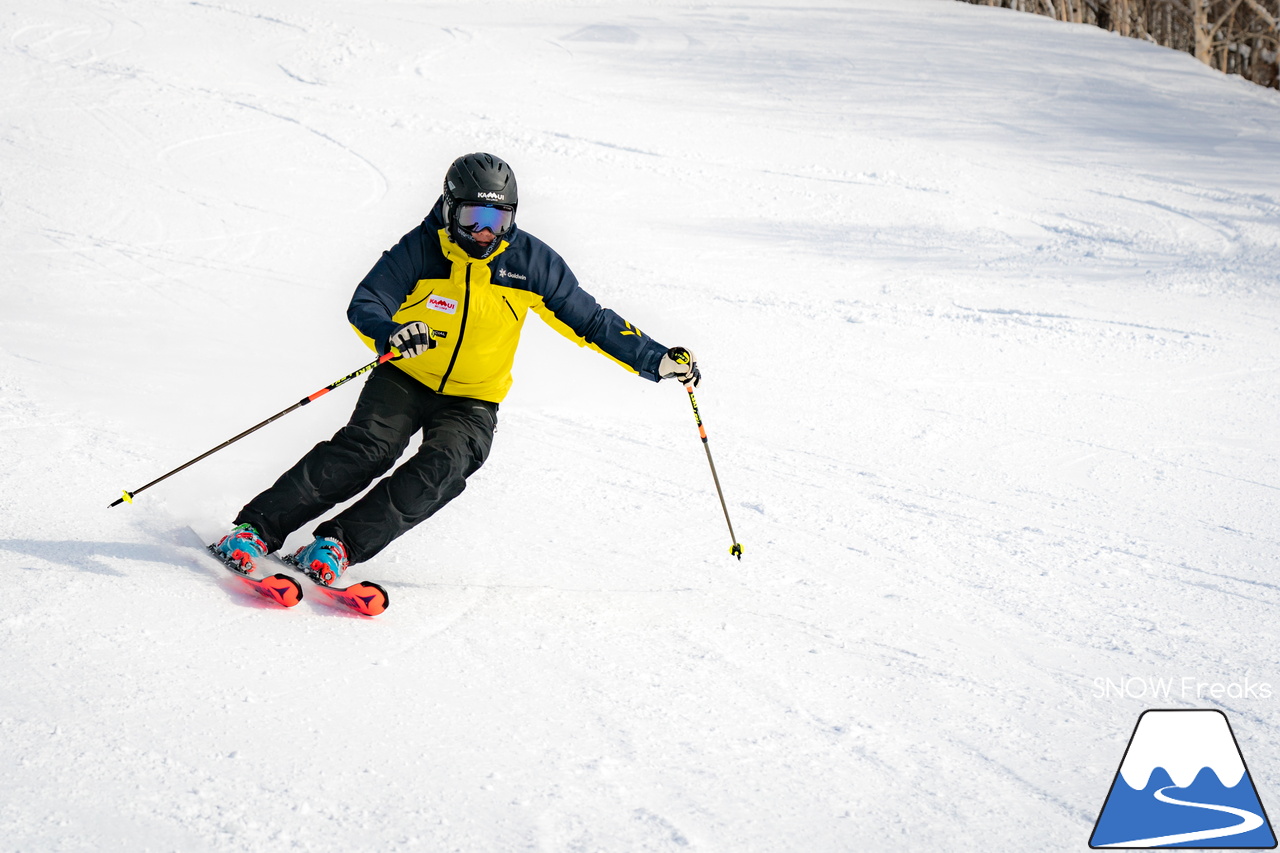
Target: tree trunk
(1202, 47)
(1119, 12)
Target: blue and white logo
(1183, 783)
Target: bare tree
(1235, 36)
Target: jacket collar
(455, 253)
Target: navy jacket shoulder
(385, 288)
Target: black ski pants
(457, 433)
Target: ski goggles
(477, 217)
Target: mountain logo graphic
(1183, 783)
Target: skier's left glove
(411, 339)
(680, 363)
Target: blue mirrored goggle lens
(477, 217)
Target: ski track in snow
(987, 310)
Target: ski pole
(736, 549)
(128, 495)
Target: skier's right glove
(681, 364)
(411, 339)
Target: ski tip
(282, 589)
(367, 598)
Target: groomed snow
(987, 307)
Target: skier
(450, 299)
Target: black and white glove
(411, 339)
(681, 364)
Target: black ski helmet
(477, 179)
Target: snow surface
(987, 307)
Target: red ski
(366, 597)
(280, 588)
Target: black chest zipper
(462, 330)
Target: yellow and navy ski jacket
(476, 309)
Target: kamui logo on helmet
(439, 303)
(491, 196)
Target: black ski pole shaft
(128, 495)
(736, 549)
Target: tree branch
(1261, 12)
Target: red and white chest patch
(440, 303)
